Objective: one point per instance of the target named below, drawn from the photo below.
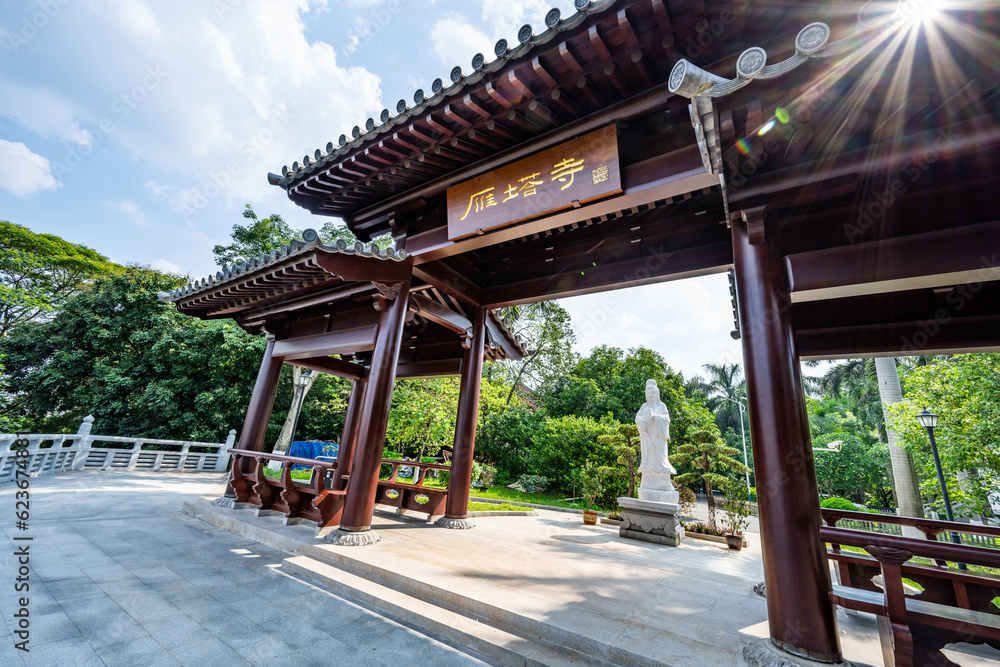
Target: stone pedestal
(651, 521)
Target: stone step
(639, 645)
(493, 642)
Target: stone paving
(120, 577)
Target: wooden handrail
(926, 548)
(415, 464)
(294, 460)
(934, 526)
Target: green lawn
(497, 507)
(556, 499)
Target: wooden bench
(308, 500)
(415, 496)
(913, 630)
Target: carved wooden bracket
(388, 290)
(379, 303)
(467, 339)
(754, 219)
(889, 555)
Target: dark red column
(370, 442)
(348, 439)
(259, 411)
(457, 506)
(800, 615)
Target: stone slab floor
(120, 577)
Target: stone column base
(455, 524)
(762, 653)
(346, 538)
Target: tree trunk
(904, 476)
(298, 395)
(711, 503)
(631, 477)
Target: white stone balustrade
(52, 453)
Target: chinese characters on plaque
(576, 172)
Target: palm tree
(725, 388)
(904, 476)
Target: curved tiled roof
(388, 122)
(310, 242)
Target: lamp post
(928, 420)
(746, 461)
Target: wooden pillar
(259, 411)
(457, 506)
(801, 617)
(355, 526)
(348, 439)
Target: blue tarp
(311, 450)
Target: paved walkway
(120, 577)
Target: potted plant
(590, 482)
(738, 512)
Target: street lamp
(928, 420)
(746, 462)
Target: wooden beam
(933, 259)
(333, 366)
(321, 345)
(449, 281)
(672, 265)
(439, 368)
(435, 312)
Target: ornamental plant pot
(735, 542)
(590, 517)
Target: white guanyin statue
(653, 421)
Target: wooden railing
(951, 605)
(970, 534)
(306, 499)
(415, 495)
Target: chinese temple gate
(838, 158)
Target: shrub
(836, 503)
(688, 500)
(703, 529)
(530, 483)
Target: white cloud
(137, 18)
(22, 172)
(43, 112)
(164, 266)
(131, 209)
(238, 92)
(456, 41)
(686, 321)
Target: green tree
(138, 365)
(547, 333)
(704, 451)
(39, 272)
(725, 388)
(422, 419)
(964, 391)
(624, 439)
(860, 469)
(262, 235)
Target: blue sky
(141, 127)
